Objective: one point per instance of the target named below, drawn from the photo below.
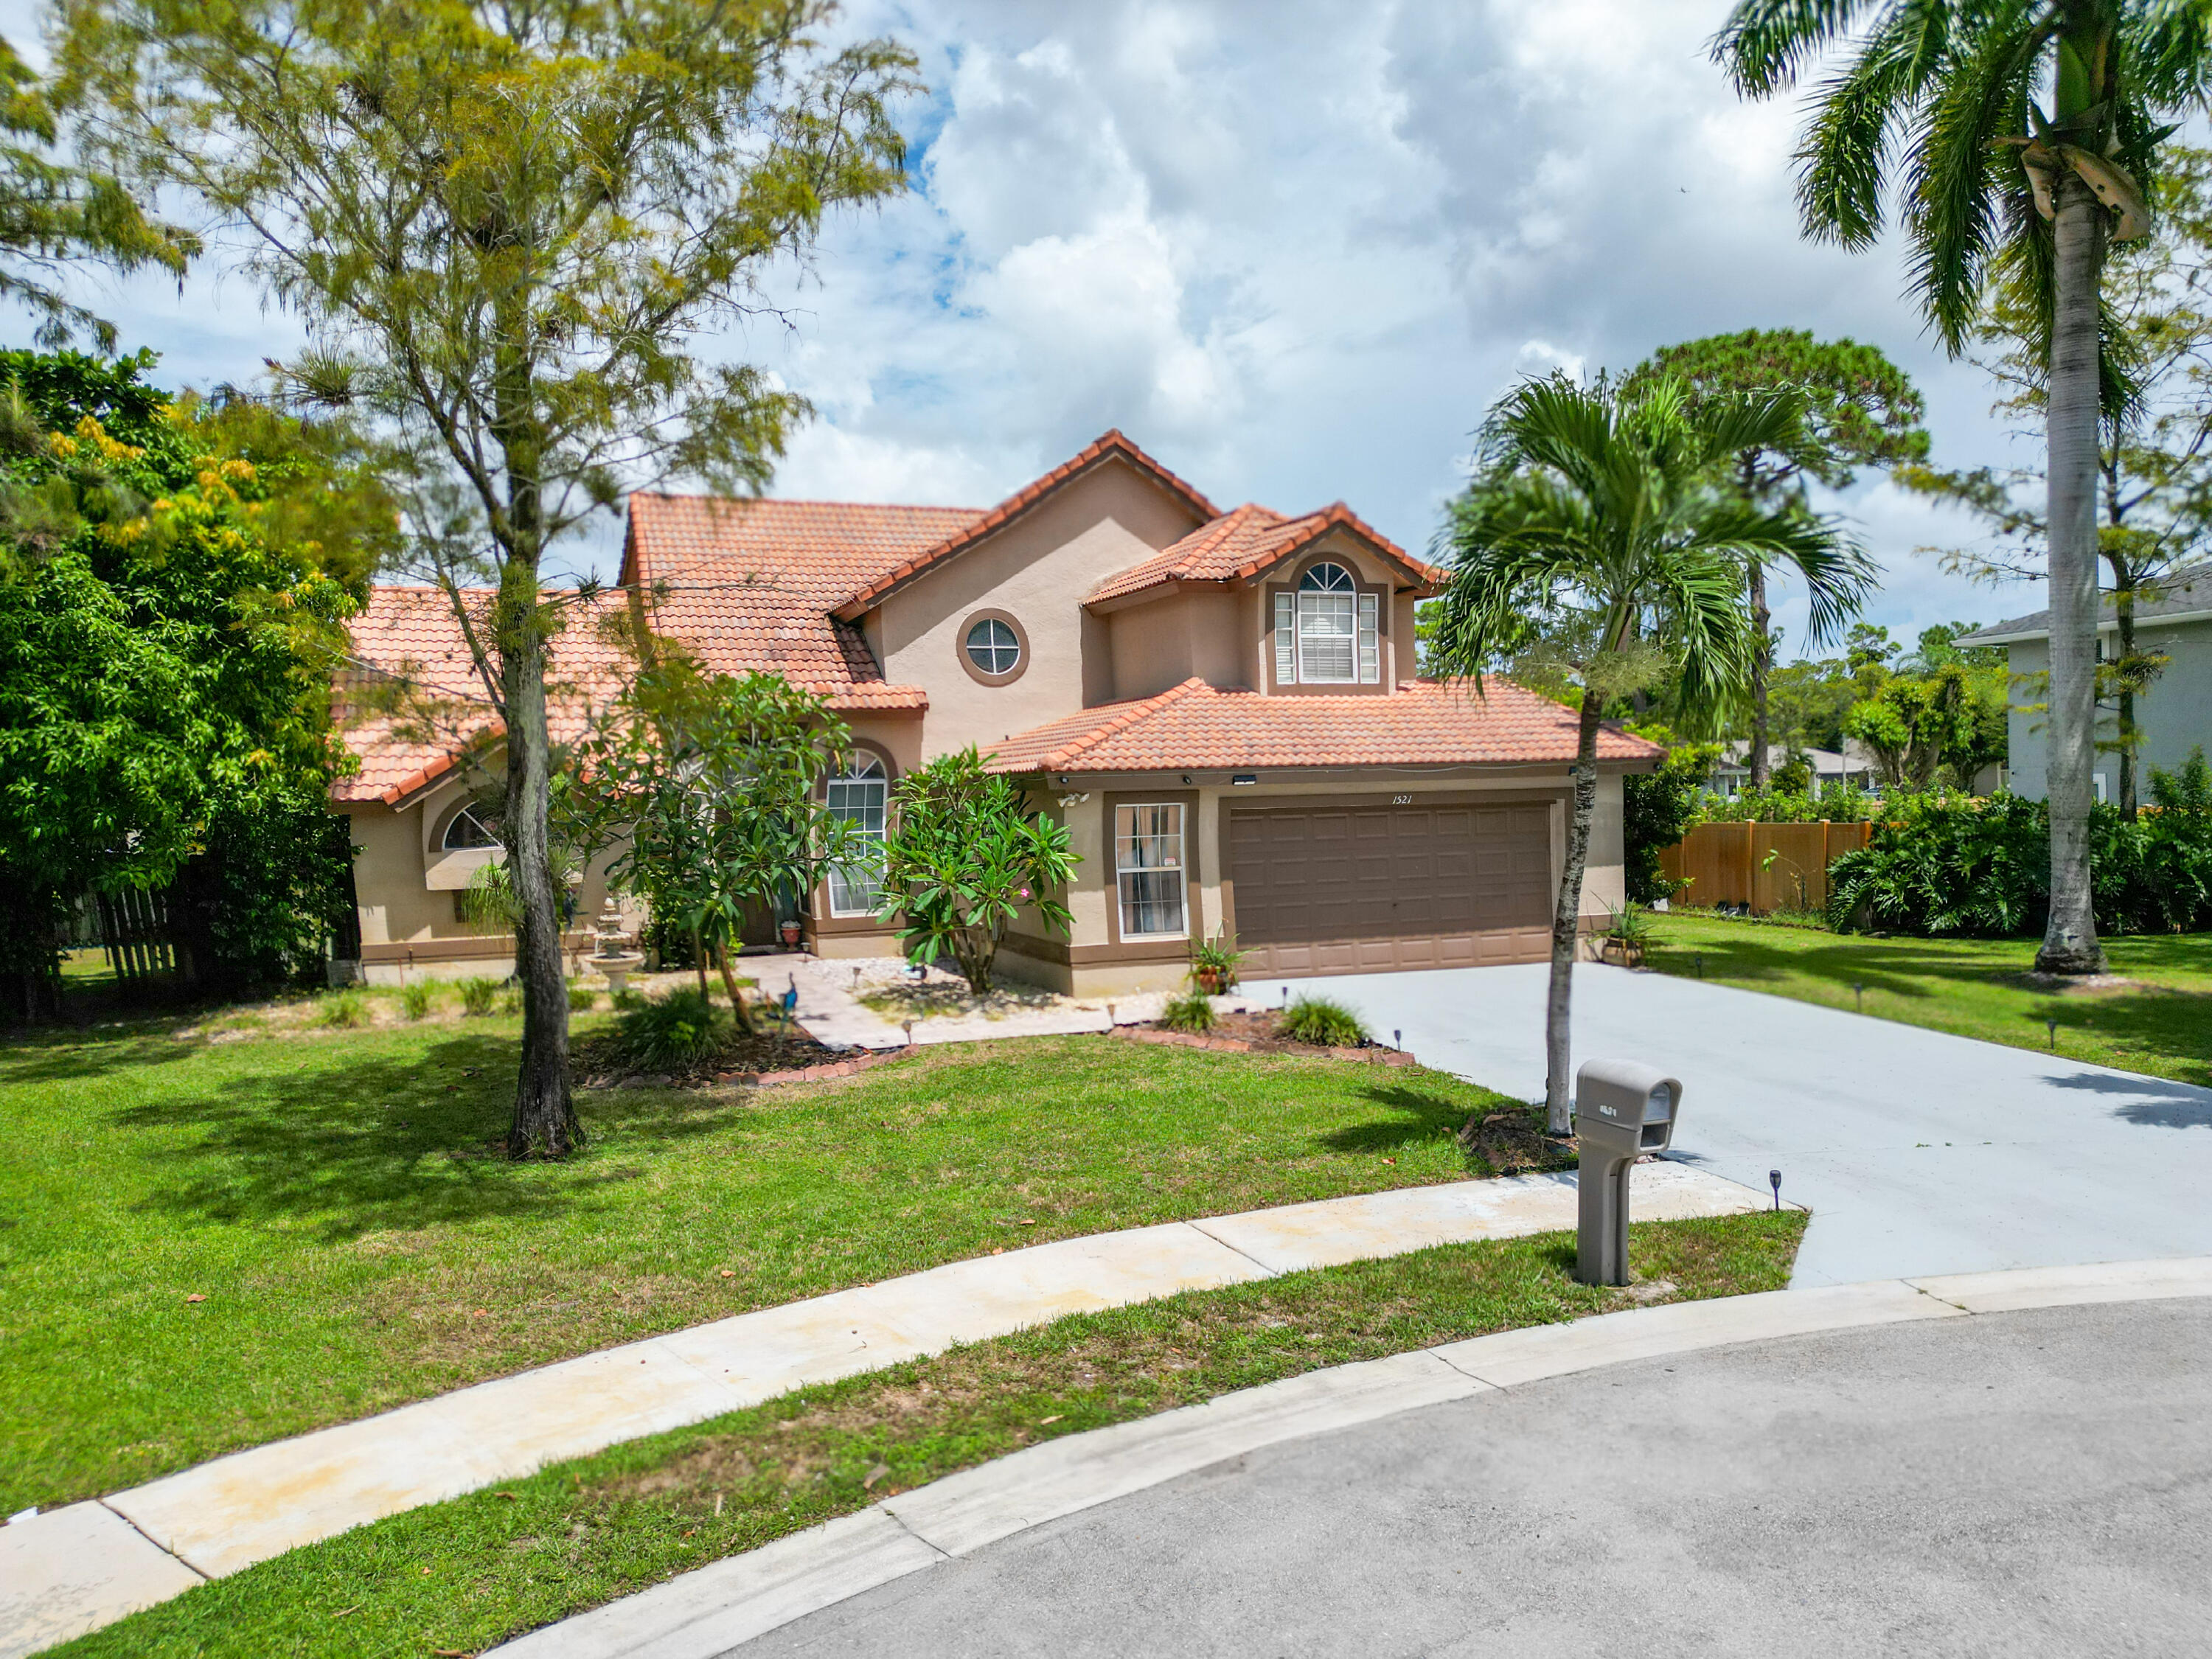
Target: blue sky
(1293, 248)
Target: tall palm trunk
(1762, 650)
(2123, 604)
(2070, 941)
(1566, 923)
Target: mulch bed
(600, 1059)
(1512, 1141)
(1260, 1033)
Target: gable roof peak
(1110, 445)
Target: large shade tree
(1861, 410)
(517, 231)
(54, 214)
(2024, 130)
(1594, 536)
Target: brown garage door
(1353, 889)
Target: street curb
(704, 1613)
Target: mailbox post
(1622, 1110)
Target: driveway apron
(1918, 1152)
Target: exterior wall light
(1243, 778)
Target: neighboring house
(1222, 708)
(2175, 714)
(1731, 773)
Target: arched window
(472, 827)
(1326, 633)
(860, 794)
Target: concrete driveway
(1917, 1152)
(2022, 1484)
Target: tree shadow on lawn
(63, 1053)
(398, 1142)
(1902, 972)
(2174, 1025)
(1423, 1116)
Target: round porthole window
(994, 648)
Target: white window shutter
(1370, 656)
(1286, 639)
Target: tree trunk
(2124, 602)
(1566, 924)
(1761, 649)
(2069, 940)
(545, 1121)
(699, 962)
(737, 1008)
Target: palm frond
(1765, 44)
(1957, 172)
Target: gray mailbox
(1622, 1110)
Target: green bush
(415, 1000)
(1193, 1013)
(1838, 803)
(343, 1010)
(1941, 865)
(671, 1030)
(478, 996)
(1319, 1020)
(582, 999)
(1657, 811)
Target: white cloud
(1297, 247)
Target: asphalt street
(2022, 1484)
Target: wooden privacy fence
(1767, 866)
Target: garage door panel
(1327, 890)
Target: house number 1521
(1402, 800)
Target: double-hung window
(1328, 632)
(859, 795)
(1148, 870)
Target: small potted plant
(1627, 935)
(792, 932)
(1213, 963)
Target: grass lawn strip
(463, 1576)
(337, 1197)
(2162, 1025)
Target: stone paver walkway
(79, 1567)
(830, 1008)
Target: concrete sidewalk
(78, 1568)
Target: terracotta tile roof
(1111, 446)
(1239, 546)
(1196, 726)
(411, 633)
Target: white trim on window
(1286, 639)
(1370, 655)
(1328, 628)
(861, 794)
(466, 832)
(1150, 883)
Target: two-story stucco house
(1223, 708)
(2175, 715)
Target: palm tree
(1594, 536)
(1941, 97)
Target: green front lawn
(2161, 1025)
(460, 1576)
(337, 1198)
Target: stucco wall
(1037, 569)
